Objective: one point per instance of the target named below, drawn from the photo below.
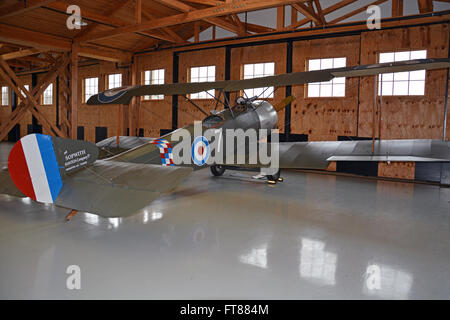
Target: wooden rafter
(108, 13)
(108, 20)
(200, 14)
(30, 102)
(320, 12)
(220, 22)
(20, 54)
(355, 12)
(22, 7)
(41, 40)
(307, 12)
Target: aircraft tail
(38, 164)
(67, 173)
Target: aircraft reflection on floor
(317, 237)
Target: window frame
(409, 81)
(43, 96)
(108, 80)
(332, 82)
(8, 96)
(265, 89)
(155, 97)
(209, 78)
(84, 88)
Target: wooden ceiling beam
(40, 40)
(307, 12)
(200, 14)
(108, 13)
(397, 8)
(22, 7)
(320, 12)
(20, 54)
(107, 20)
(206, 2)
(355, 12)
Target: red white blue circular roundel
(200, 150)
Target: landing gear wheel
(273, 179)
(217, 170)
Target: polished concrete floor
(314, 236)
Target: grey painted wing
(117, 189)
(124, 95)
(7, 186)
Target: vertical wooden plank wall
(187, 113)
(258, 54)
(324, 119)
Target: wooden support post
(294, 15)
(74, 90)
(197, 31)
(280, 18)
(133, 106)
(138, 12)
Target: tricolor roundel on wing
(34, 169)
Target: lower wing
(67, 173)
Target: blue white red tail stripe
(34, 169)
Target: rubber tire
(217, 171)
(275, 176)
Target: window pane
(401, 88)
(259, 70)
(48, 95)
(340, 62)
(325, 90)
(339, 90)
(417, 88)
(326, 64)
(314, 90)
(417, 75)
(314, 64)
(387, 88)
(386, 57)
(402, 56)
(401, 76)
(269, 69)
(419, 54)
(203, 74)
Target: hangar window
(5, 96)
(402, 83)
(154, 77)
(333, 88)
(47, 97)
(259, 70)
(203, 74)
(114, 81)
(27, 86)
(90, 88)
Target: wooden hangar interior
(141, 42)
(362, 229)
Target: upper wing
(125, 94)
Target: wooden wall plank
(325, 118)
(258, 54)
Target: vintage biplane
(121, 175)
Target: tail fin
(38, 163)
